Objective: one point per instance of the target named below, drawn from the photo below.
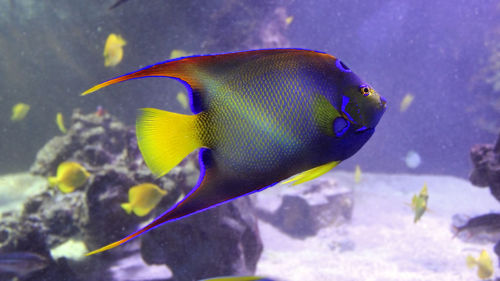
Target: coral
(486, 173)
(303, 211)
(218, 242)
(486, 161)
(92, 213)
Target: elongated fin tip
(91, 90)
(127, 207)
(105, 248)
(119, 242)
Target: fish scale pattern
(260, 118)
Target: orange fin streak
(190, 69)
(184, 69)
(117, 243)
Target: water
(445, 53)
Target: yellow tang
(176, 53)
(19, 111)
(60, 123)
(183, 100)
(143, 198)
(406, 102)
(484, 265)
(357, 174)
(419, 203)
(113, 50)
(288, 20)
(70, 176)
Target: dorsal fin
(194, 70)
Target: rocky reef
(92, 213)
(301, 212)
(486, 174)
(486, 161)
(263, 25)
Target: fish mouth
(383, 102)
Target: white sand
(16, 188)
(388, 245)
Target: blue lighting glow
(340, 65)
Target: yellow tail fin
(127, 207)
(165, 138)
(52, 181)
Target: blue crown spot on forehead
(340, 65)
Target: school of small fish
(357, 174)
(60, 123)
(483, 263)
(143, 198)
(406, 102)
(113, 50)
(69, 176)
(182, 99)
(419, 203)
(19, 112)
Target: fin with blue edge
(216, 185)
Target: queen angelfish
(260, 117)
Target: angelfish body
(259, 117)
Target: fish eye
(365, 90)
(342, 66)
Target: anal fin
(215, 187)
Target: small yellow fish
(183, 100)
(19, 111)
(419, 203)
(484, 265)
(176, 53)
(60, 122)
(357, 174)
(406, 102)
(288, 20)
(143, 198)
(113, 50)
(70, 176)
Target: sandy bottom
(382, 241)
